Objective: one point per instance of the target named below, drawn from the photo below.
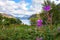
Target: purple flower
(47, 8)
(39, 38)
(39, 23)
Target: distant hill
(7, 15)
(33, 16)
(23, 16)
(59, 4)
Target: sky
(24, 7)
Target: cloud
(13, 8)
(56, 1)
(23, 5)
(38, 1)
(9, 6)
(36, 5)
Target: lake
(25, 21)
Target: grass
(24, 32)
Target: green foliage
(24, 32)
(18, 21)
(8, 21)
(34, 18)
(54, 12)
(33, 21)
(56, 15)
(1, 19)
(44, 18)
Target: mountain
(34, 16)
(59, 4)
(19, 16)
(22, 16)
(7, 15)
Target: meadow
(24, 32)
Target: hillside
(8, 19)
(7, 15)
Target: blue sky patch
(28, 1)
(17, 1)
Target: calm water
(25, 21)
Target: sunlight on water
(26, 21)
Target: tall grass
(24, 32)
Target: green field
(24, 32)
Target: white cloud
(38, 1)
(9, 6)
(36, 6)
(56, 1)
(23, 5)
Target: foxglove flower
(39, 38)
(47, 8)
(39, 23)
